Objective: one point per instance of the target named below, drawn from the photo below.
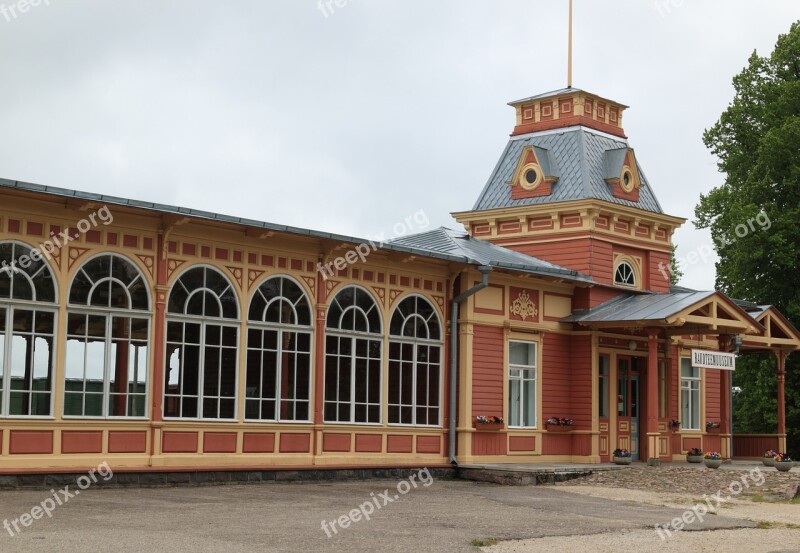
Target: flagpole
(569, 54)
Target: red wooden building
(162, 338)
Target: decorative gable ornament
(523, 307)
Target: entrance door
(635, 417)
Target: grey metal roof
(451, 242)
(648, 307)
(583, 164)
(443, 244)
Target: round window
(627, 180)
(531, 176)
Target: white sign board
(713, 360)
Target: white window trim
(109, 314)
(197, 319)
(416, 342)
(525, 368)
(10, 306)
(297, 329)
(692, 393)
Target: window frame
(633, 275)
(281, 328)
(109, 313)
(416, 342)
(354, 336)
(604, 386)
(694, 393)
(523, 369)
(204, 321)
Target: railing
(753, 445)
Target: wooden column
(781, 376)
(319, 361)
(653, 434)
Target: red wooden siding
(712, 396)
(753, 445)
(567, 379)
(488, 374)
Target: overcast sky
(351, 119)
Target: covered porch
(693, 337)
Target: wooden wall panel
(369, 443)
(522, 443)
(335, 442)
(293, 442)
(219, 442)
(429, 444)
(30, 442)
(488, 374)
(257, 442)
(399, 443)
(179, 442)
(82, 442)
(127, 442)
(489, 443)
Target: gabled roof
(580, 155)
(698, 311)
(458, 243)
(647, 307)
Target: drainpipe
(485, 270)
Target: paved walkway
(443, 517)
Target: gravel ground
(720, 541)
(681, 487)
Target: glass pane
(522, 353)
(687, 371)
(514, 402)
(529, 403)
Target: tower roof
(582, 158)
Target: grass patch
(768, 525)
(486, 542)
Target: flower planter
(623, 460)
(558, 428)
(783, 466)
(713, 463)
(712, 430)
(491, 427)
(694, 458)
(768, 461)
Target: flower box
(557, 428)
(622, 460)
(489, 427)
(694, 458)
(713, 463)
(712, 430)
(784, 466)
(768, 461)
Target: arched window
(108, 332)
(415, 363)
(27, 317)
(353, 358)
(624, 275)
(279, 353)
(202, 346)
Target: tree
(675, 273)
(754, 217)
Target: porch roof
(686, 311)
